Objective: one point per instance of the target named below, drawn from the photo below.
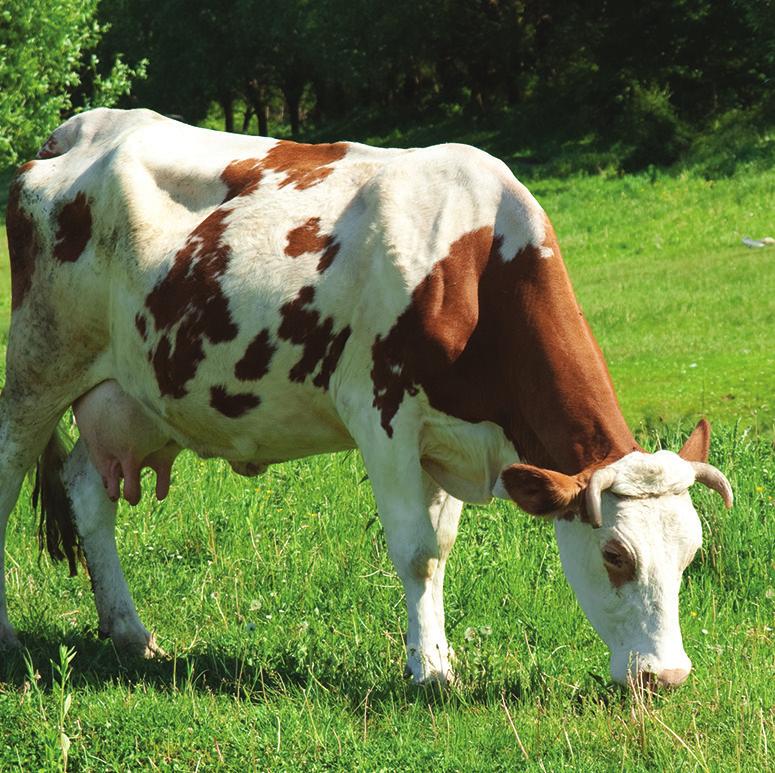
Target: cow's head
(626, 532)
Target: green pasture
(282, 616)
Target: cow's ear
(540, 492)
(696, 448)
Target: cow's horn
(714, 479)
(598, 483)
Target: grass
(683, 311)
(283, 618)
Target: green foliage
(107, 90)
(642, 81)
(650, 130)
(44, 59)
(737, 141)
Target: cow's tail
(56, 526)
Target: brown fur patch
(307, 238)
(331, 358)
(619, 563)
(230, 405)
(141, 325)
(74, 223)
(303, 165)
(23, 242)
(301, 325)
(542, 492)
(498, 340)
(255, 362)
(442, 313)
(49, 149)
(190, 296)
(242, 177)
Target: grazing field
(282, 615)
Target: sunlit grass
(278, 605)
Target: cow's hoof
(153, 650)
(429, 672)
(436, 681)
(135, 642)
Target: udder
(122, 438)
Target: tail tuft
(56, 527)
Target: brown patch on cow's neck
(303, 165)
(498, 340)
(232, 405)
(619, 563)
(190, 296)
(23, 241)
(301, 324)
(307, 238)
(74, 224)
(255, 362)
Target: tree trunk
(293, 89)
(257, 96)
(263, 119)
(293, 101)
(246, 119)
(227, 105)
(319, 111)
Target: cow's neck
(566, 414)
(533, 367)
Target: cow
(261, 300)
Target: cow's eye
(619, 563)
(613, 558)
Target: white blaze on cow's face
(627, 573)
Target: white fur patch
(642, 475)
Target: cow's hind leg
(24, 432)
(95, 519)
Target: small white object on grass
(766, 241)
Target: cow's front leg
(95, 520)
(444, 512)
(403, 506)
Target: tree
(47, 50)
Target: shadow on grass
(218, 670)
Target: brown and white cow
(261, 300)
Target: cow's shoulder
(428, 199)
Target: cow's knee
(424, 563)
